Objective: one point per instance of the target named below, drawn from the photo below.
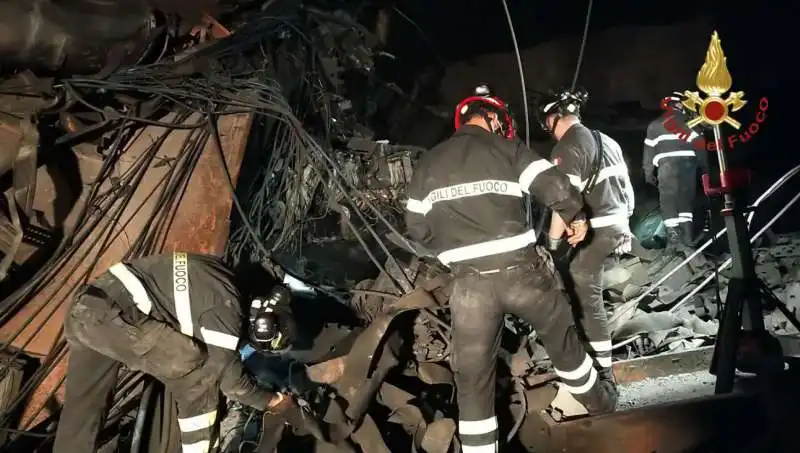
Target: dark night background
(754, 38)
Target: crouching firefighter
(670, 163)
(180, 318)
(594, 164)
(465, 203)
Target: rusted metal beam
(670, 428)
(663, 365)
(676, 427)
(200, 225)
(202, 222)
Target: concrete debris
(650, 326)
(660, 390)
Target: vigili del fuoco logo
(714, 80)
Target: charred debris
(332, 142)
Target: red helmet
(481, 102)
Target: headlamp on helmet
(560, 103)
(482, 102)
(268, 332)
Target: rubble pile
(672, 318)
(676, 315)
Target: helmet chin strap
(488, 121)
(555, 123)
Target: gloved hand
(280, 404)
(650, 178)
(625, 245)
(285, 407)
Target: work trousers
(586, 285)
(478, 303)
(677, 189)
(100, 340)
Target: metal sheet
(663, 365)
(200, 225)
(202, 220)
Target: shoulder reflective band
(134, 287)
(180, 292)
(531, 172)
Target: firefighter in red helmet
(465, 204)
(493, 110)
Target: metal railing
(764, 196)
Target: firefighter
(465, 204)
(594, 164)
(671, 164)
(179, 318)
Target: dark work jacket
(669, 138)
(196, 295)
(611, 199)
(465, 199)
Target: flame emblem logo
(714, 80)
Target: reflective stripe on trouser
(677, 188)
(197, 432)
(478, 436)
(197, 398)
(478, 304)
(99, 341)
(586, 277)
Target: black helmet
(271, 329)
(560, 103)
(481, 102)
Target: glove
(287, 411)
(297, 415)
(625, 245)
(650, 178)
(280, 404)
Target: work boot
(609, 386)
(687, 237)
(688, 245)
(671, 251)
(566, 407)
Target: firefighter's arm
(221, 337)
(417, 207)
(575, 163)
(649, 153)
(288, 325)
(540, 178)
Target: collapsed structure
(137, 160)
